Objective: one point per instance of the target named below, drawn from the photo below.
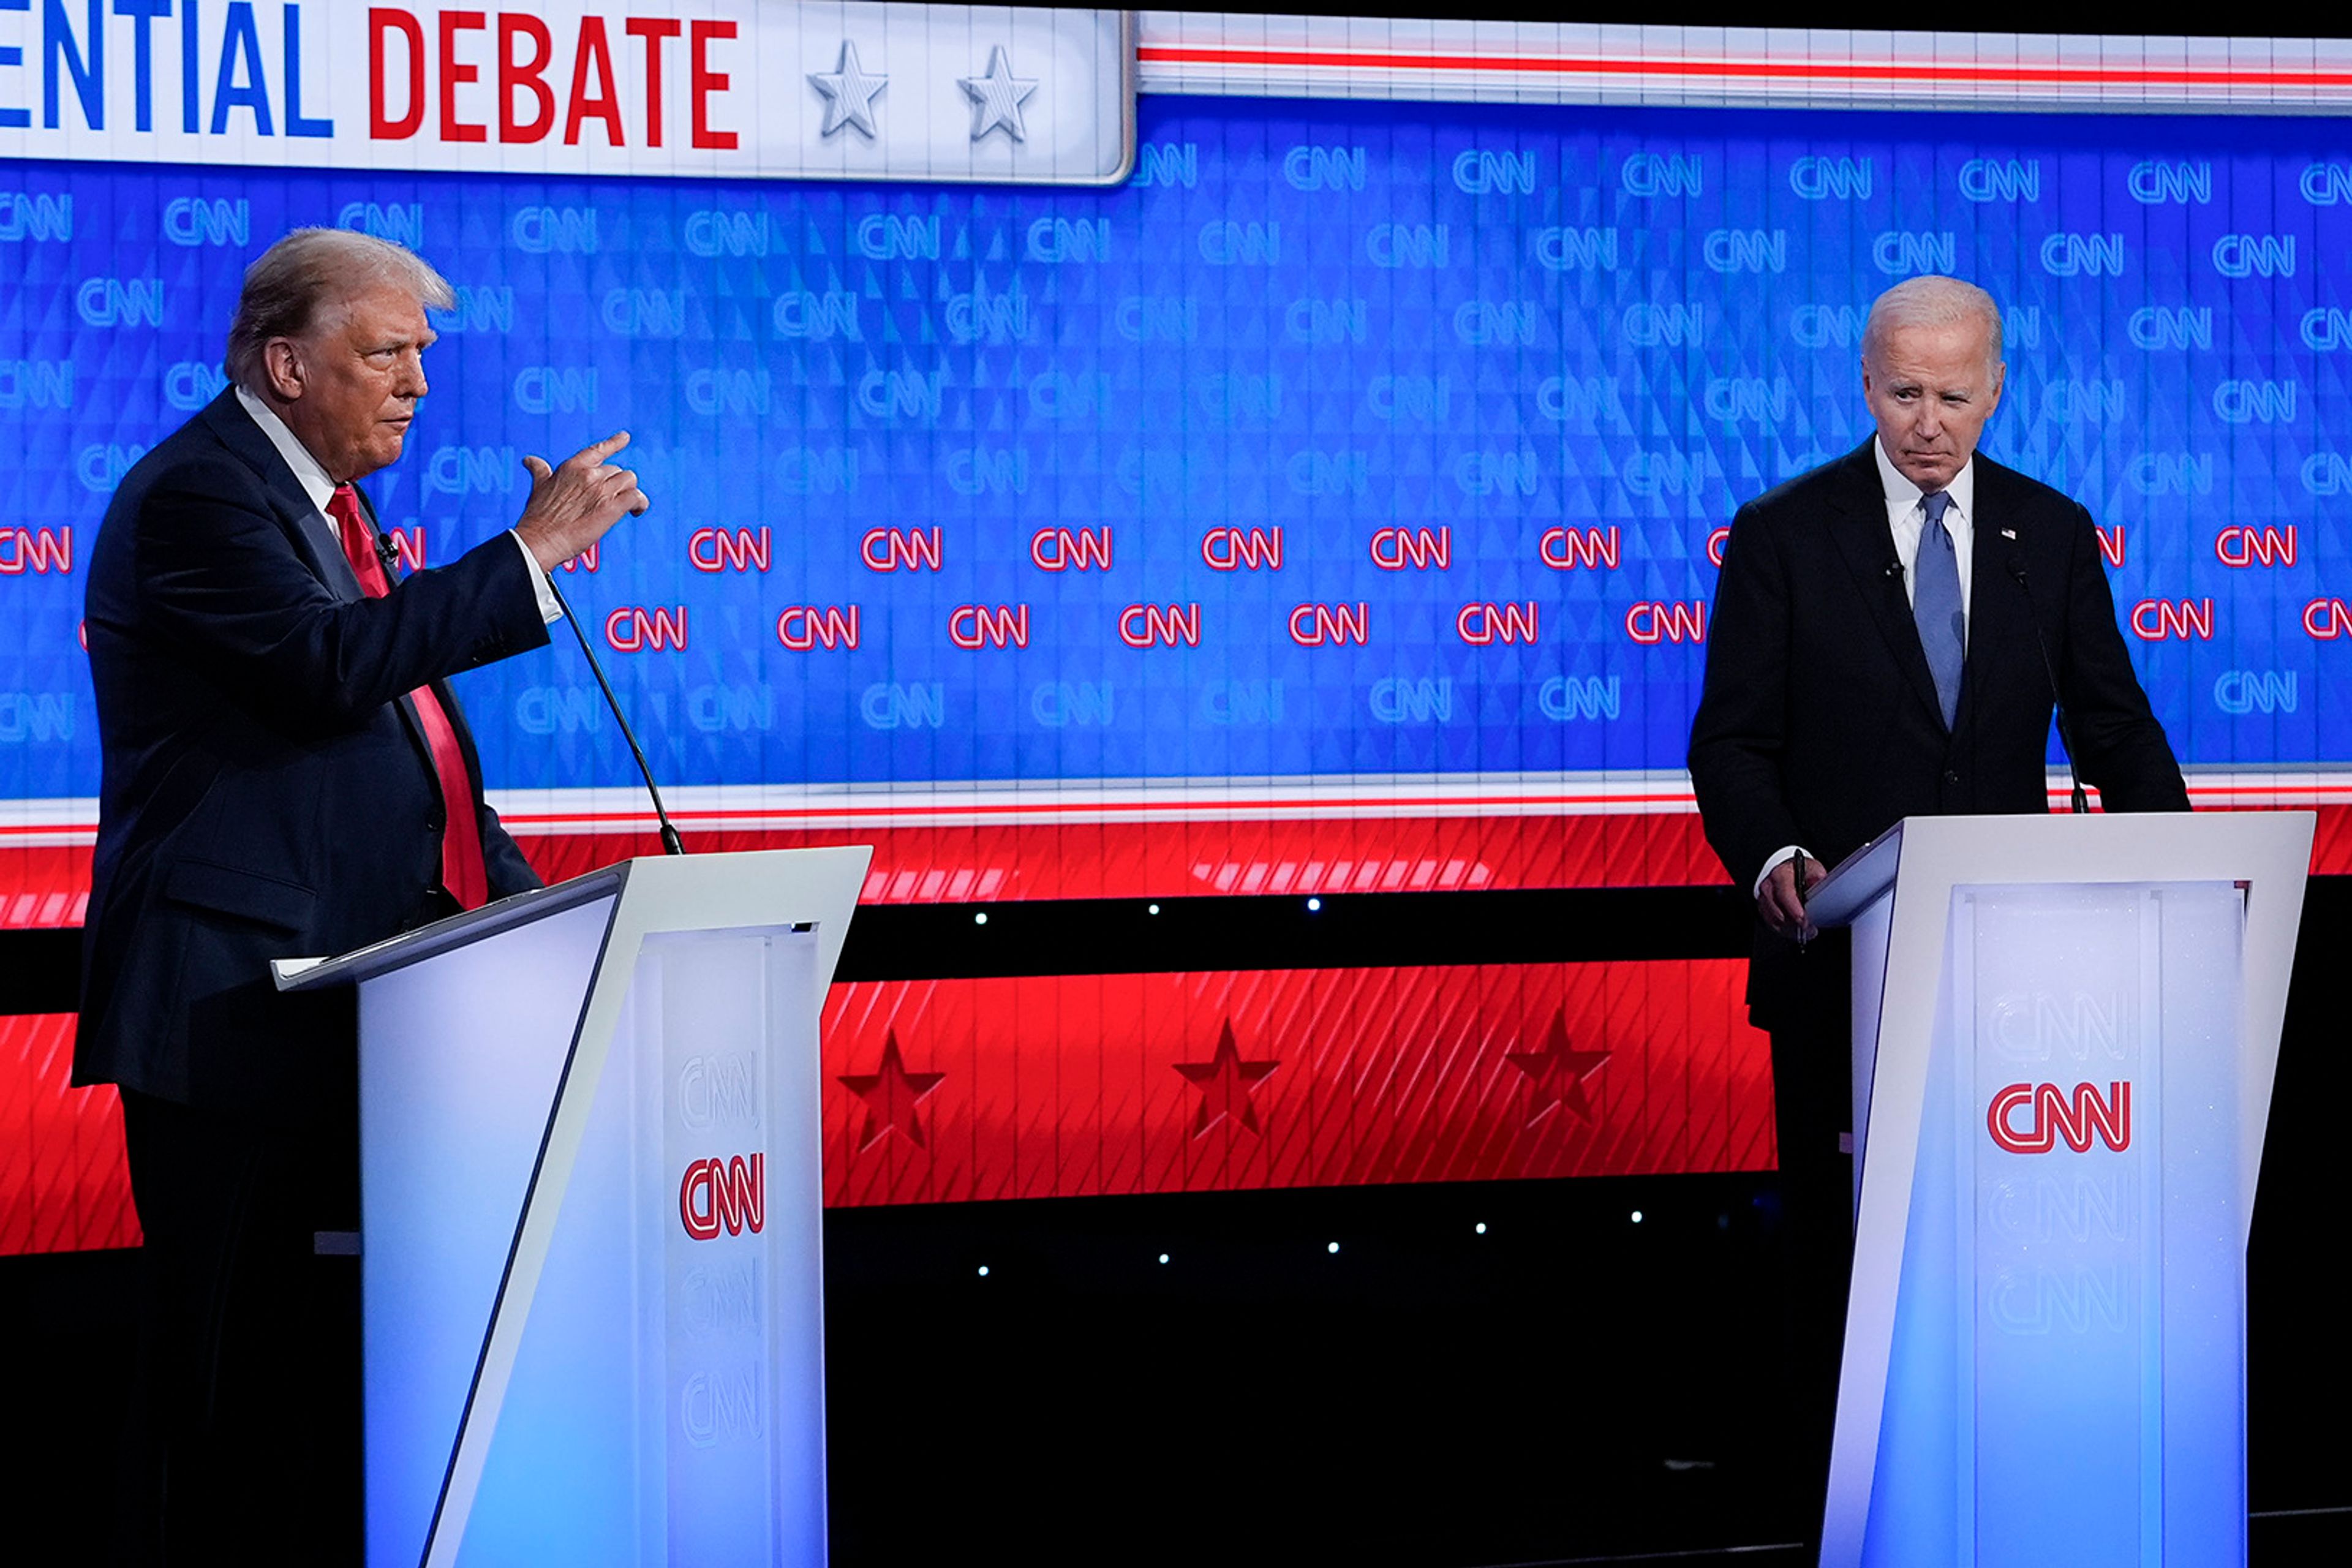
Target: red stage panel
(63, 1185)
(1066, 1086)
(1077, 1085)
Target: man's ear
(281, 368)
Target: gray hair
(1932, 302)
(298, 282)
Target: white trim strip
(27, 824)
(1229, 55)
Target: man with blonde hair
(1877, 650)
(285, 772)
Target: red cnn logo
(2055, 1117)
(724, 1192)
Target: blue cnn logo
(36, 215)
(1056, 240)
(882, 237)
(554, 231)
(471, 471)
(555, 389)
(116, 302)
(737, 392)
(2256, 401)
(644, 312)
(193, 221)
(800, 313)
(1568, 699)
(36, 384)
(912, 705)
(2254, 256)
(1478, 172)
(1398, 700)
(191, 382)
(2082, 255)
(1325, 168)
(481, 308)
(1729, 250)
(1831, 179)
(2239, 692)
(1225, 243)
(1408, 245)
(2156, 183)
(1661, 175)
(715, 232)
(38, 717)
(1998, 180)
(2157, 329)
(1901, 255)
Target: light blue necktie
(1935, 604)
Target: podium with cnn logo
(2065, 1031)
(592, 1217)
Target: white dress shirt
(311, 475)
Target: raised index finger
(605, 449)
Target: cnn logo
(730, 1193)
(2051, 1114)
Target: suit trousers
(243, 1439)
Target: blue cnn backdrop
(960, 485)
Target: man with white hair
(1877, 652)
(285, 772)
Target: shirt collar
(1903, 496)
(309, 472)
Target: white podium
(2064, 1034)
(592, 1244)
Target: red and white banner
(731, 89)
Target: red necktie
(461, 840)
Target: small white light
(1151, 908)
(980, 919)
(1313, 905)
(1163, 1258)
(1637, 1216)
(1333, 1247)
(1480, 1228)
(983, 1271)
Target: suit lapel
(236, 431)
(1858, 523)
(1998, 611)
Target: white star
(848, 93)
(996, 98)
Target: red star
(1555, 1075)
(890, 1095)
(1224, 1081)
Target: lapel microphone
(2016, 564)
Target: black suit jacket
(1818, 724)
(266, 791)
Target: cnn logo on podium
(732, 1192)
(2051, 1113)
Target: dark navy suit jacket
(1818, 724)
(266, 792)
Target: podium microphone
(671, 843)
(2065, 740)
